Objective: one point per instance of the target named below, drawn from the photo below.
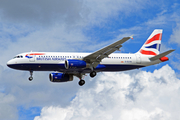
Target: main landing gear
(93, 74)
(82, 82)
(31, 78)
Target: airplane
(66, 65)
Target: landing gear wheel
(81, 82)
(30, 78)
(93, 74)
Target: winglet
(161, 56)
(131, 36)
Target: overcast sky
(151, 93)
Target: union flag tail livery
(67, 65)
(152, 44)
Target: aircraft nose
(9, 63)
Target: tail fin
(152, 44)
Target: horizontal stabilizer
(161, 55)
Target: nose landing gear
(31, 78)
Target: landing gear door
(32, 58)
(138, 59)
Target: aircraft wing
(96, 57)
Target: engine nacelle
(60, 77)
(75, 64)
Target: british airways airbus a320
(67, 65)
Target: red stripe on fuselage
(147, 52)
(154, 38)
(36, 54)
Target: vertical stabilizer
(152, 44)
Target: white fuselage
(55, 61)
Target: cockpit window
(19, 56)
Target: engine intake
(75, 64)
(60, 77)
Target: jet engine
(60, 77)
(75, 64)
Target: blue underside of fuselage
(61, 68)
